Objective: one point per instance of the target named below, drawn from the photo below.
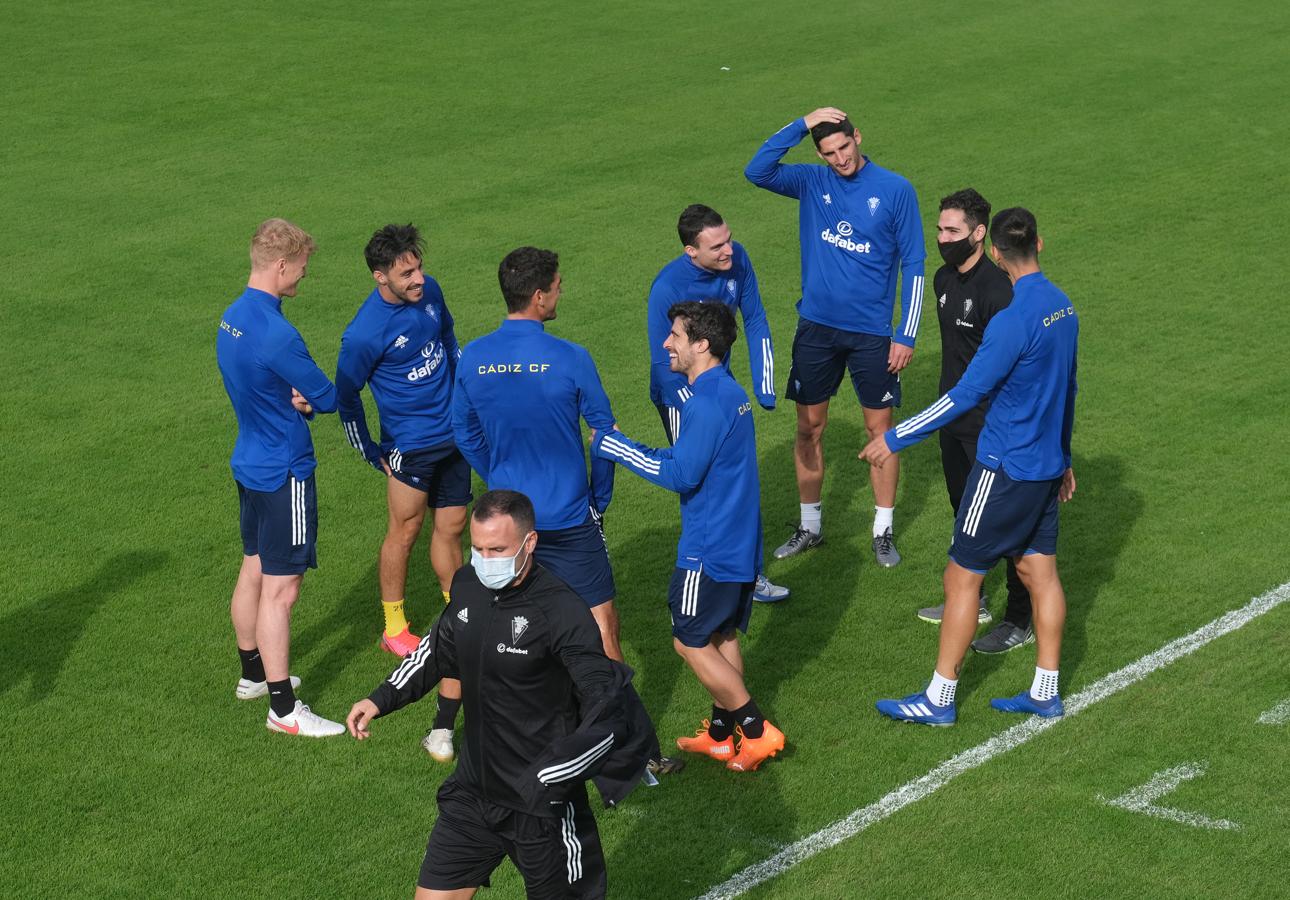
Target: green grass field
(144, 141)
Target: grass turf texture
(143, 142)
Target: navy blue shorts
(281, 527)
(821, 354)
(1000, 517)
(702, 607)
(558, 855)
(579, 557)
(441, 473)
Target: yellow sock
(446, 598)
(395, 622)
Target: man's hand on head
(823, 114)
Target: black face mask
(956, 253)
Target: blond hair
(279, 239)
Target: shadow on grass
(63, 617)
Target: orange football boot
(755, 751)
(702, 742)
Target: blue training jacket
(854, 232)
(714, 468)
(407, 353)
(515, 411)
(1026, 366)
(261, 358)
(682, 280)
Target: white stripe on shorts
(978, 503)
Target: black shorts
(702, 607)
(821, 354)
(440, 472)
(1001, 517)
(558, 855)
(281, 527)
(579, 557)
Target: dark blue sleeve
(765, 169)
(448, 337)
(1000, 349)
(761, 352)
(681, 468)
(297, 368)
(659, 326)
(1068, 417)
(909, 242)
(467, 430)
(593, 405)
(354, 366)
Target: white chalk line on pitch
(913, 791)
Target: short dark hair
(391, 242)
(824, 129)
(975, 208)
(525, 271)
(1015, 234)
(506, 503)
(695, 219)
(711, 321)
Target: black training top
(530, 662)
(965, 304)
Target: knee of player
(810, 432)
(403, 532)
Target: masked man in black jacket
(545, 710)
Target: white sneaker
(438, 743)
(304, 721)
(766, 591)
(249, 690)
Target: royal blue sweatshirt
(261, 358)
(407, 353)
(682, 280)
(714, 468)
(515, 411)
(855, 232)
(1026, 366)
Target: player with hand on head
(401, 344)
(275, 387)
(713, 267)
(1027, 365)
(713, 466)
(858, 225)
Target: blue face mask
(496, 572)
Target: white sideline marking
(913, 791)
(1277, 715)
(1142, 799)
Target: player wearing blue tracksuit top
(859, 227)
(1026, 366)
(274, 386)
(713, 267)
(519, 396)
(406, 353)
(401, 343)
(713, 466)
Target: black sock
(282, 699)
(446, 716)
(749, 718)
(252, 665)
(721, 725)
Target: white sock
(882, 516)
(941, 690)
(1044, 686)
(811, 516)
